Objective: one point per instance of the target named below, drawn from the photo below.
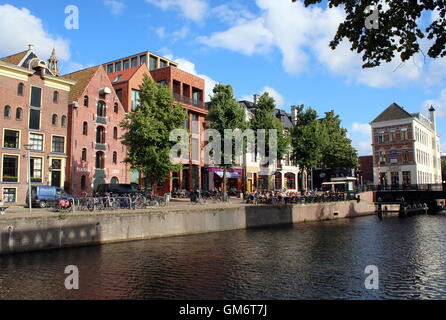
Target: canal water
(306, 261)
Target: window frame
(41, 170)
(21, 89)
(3, 195)
(41, 97)
(43, 141)
(19, 139)
(64, 144)
(7, 111)
(3, 167)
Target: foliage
(321, 142)
(338, 153)
(264, 118)
(148, 130)
(225, 113)
(308, 138)
(399, 32)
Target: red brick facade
(48, 159)
(87, 144)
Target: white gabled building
(406, 148)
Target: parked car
(43, 196)
(116, 189)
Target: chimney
(433, 118)
(256, 97)
(30, 47)
(294, 115)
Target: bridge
(434, 195)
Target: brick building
(34, 111)
(95, 151)
(188, 90)
(406, 148)
(364, 172)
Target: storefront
(234, 179)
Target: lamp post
(28, 147)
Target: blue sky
(254, 45)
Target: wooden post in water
(380, 208)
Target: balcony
(186, 100)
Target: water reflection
(307, 261)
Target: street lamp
(28, 147)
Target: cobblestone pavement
(13, 213)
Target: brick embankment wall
(39, 233)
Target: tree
(225, 113)
(309, 139)
(338, 153)
(264, 119)
(443, 169)
(148, 130)
(399, 28)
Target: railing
(189, 101)
(402, 187)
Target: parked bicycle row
(275, 198)
(110, 202)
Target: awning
(229, 175)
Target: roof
(278, 113)
(393, 112)
(126, 75)
(82, 79)
(15, 58)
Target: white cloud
(302, 34)
(226, 14)
(248, 38)
(18, 28)
(361, 136)
(190, 67)
(160, 32)
(439, 104)
(194, 10)
(116, 7)
(180, 34)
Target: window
(143, 60)
(152, 63)
(195, 150)
(55, 97)
(19, 114)
(20, 89)
(10, 169)
(34, 119)
(7, 112)
(135, 100)
(407, 178)
(278, 181)
(110, 68)
(101, 109)
(114, 180)
(84, 154)
(290, 180)
(85, 129)
(381, 137)
(58, 144)
(119, 94)
(115, 133)
(83, 182)
(163, 63)
(100, 135)
(163, 83)
(116, 108)
(86, 101)
(126, 64)
(115, 157)
(134, 62)
(100, 160)
(11, 139)
(36, 141)
(195, 124)
(118, 77)
(395, 176)
(36, 170)
(118, 66)
(63, 122)
(9, 195)
(54, 120)
(36, 97)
